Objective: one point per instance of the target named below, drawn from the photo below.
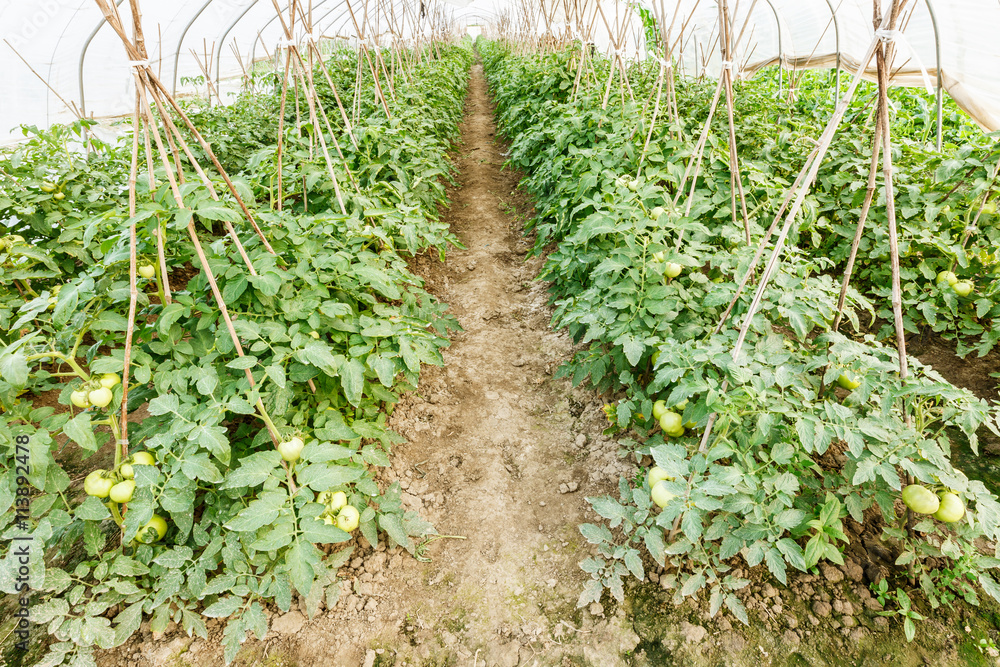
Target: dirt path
(497, 452)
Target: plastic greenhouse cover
(825, 33)
(821, 33)
(68, 44)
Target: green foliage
(790, 454)
(333, 326)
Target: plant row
(807, 426)
(946, 202)
(219, 508)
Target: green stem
(116, 434)
(115, 514)
(78, 370)
(65, 502)
(27, 288)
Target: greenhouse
(500, 332)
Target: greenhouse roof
(68, 44)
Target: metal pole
(83, 57)
(940, 76)
(836, 32)
(225, 34)
(180, 42)
(781, 53)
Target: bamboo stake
(72, 107)
(735, 178)
(810, 171)
(173, 129)
(884, 56)
(133, 290)
(211, 156)
(869, 195)
(281, 133)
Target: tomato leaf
(322, 476)
(81, 431)
(252, 470)
(352, 379)
(91, 509)
(127, 622)
(392, 524)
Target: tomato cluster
(97, 393)
(118, 486)
(338, 512)
(945, 506)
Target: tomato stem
(115, 514)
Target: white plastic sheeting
(823, 33)
(608, 24)
(68, 44)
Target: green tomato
(314, 334)
(153, 531)
(849, 381)
(109, 380)
(139, 459)
(660, 495)
(963, 287)
(952, 508)
(143, 459)
(672, 270)
(672, 424)
(48, 187)
(947, 277)
(338, 501)
(656, 357)
(657, 474)
(147, 270)
(919, 499)
(98, 484)
(348, 518)
(59, 196)
(658, 409)
(122, 491)
(100, 397)
(657, 212)
(291, 449)
(79, 398)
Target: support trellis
(157, 135)
(154, 127)
(881, 51)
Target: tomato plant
(206, 518)
(753, 489)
